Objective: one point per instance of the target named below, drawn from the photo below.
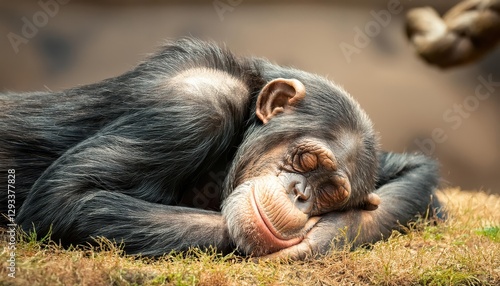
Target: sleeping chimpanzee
(123, 158)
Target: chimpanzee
(123, 158)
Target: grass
(464, 250)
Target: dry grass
(465, 250)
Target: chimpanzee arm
(406, 189)
(145, 228)
(119, 182)
(108, 185)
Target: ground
(464, 250)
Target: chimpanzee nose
(299, 191)
(302, 199)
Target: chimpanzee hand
(403, 190)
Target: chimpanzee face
(280, 193)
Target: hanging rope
(465, 33)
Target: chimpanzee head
(311, 150)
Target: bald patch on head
(203, 81)
(211, 87)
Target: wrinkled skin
(283, 203)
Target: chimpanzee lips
(268, 233)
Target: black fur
(118, 158)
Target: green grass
(464, 250)
(492, 232)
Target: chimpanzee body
(125, 158)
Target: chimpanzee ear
(278, 95)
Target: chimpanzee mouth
(270, 235)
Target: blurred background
(57, 45)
